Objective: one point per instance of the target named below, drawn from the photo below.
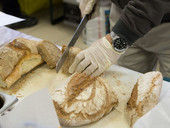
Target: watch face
(120, 44)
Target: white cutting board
(121, 79)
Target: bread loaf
(145, 95)
(17, 58)
(82, 100)
(49, 52)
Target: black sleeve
(120, 3)
(140, 16)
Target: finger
(90, 69)
(77, 60)
(82, 65)
(89, 6)
(82, 6)
(97, 72)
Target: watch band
(113, 36)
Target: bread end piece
(49, 52)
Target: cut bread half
(82, 100)
(145, 95)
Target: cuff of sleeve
(124, 32)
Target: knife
(73, 41)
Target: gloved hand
(86, 7)
(95, 59)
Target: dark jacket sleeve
(120, 3)
(139, 16)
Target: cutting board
(121, 79)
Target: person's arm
(138, 17)
(120, 3)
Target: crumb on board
(20, 83)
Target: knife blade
(72, 42)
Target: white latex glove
(86, 7)
(95, 59)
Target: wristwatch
(119, 44)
